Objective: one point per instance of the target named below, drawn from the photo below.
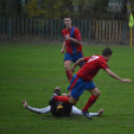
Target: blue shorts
(73, 57)
(77, 86)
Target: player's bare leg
(24, 103)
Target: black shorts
(65, 111)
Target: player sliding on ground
(63, 109)
(83, 80)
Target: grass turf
(31, 72)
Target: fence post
(43, 27)
(127, 30)
(85, 29)
(89, 33)
(110, 31)
(55, 29)
(123, 31)
(113, 31)
(46, 28)
(74, 22)
(133, 33)
(10, 28)
(34, 28)
(106, 31)
(51, 29)
(119, 31)
(0, 27)
(78, 24)
(58, 28)
(81, 28)
(18, 28)
(23, 26)
(26, 28)
(7, 28)
(38, 28)
(31, 27)
(96, 34)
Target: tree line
(57, 9)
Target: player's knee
(66, 67)
(73, 102)
(98, 93)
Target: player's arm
(77, 37)
(63, 48)
(36, 110)
(110, 73)
(76, 63)
(75, 40)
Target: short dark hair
(67, 16)
(107, 51)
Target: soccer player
(72, 46)
(63, 109)
(83, 79)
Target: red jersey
(72, 47)
(91, 67)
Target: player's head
(107, 53)
(67, 22)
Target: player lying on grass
(83, 80)
(63, 108)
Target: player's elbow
(109, 73)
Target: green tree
(10, 8)
(48, 8)
(94, 9)
(131, 7)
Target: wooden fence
(107, 31)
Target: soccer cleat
(52, 98)
(86, 113)
(101, 112)
(57, 91)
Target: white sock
(94, 114)
(76, 111)
(39, 111)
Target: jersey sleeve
(77, 34)
(86, 59)
(103, 64)
(63, 33)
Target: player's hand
(126, 80)
(62, 51)
(24, 103)
(67, 37)
(72, 69)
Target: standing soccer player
(83, 79)
(72, 46)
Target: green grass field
(31, 72)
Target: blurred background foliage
(57, 9)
